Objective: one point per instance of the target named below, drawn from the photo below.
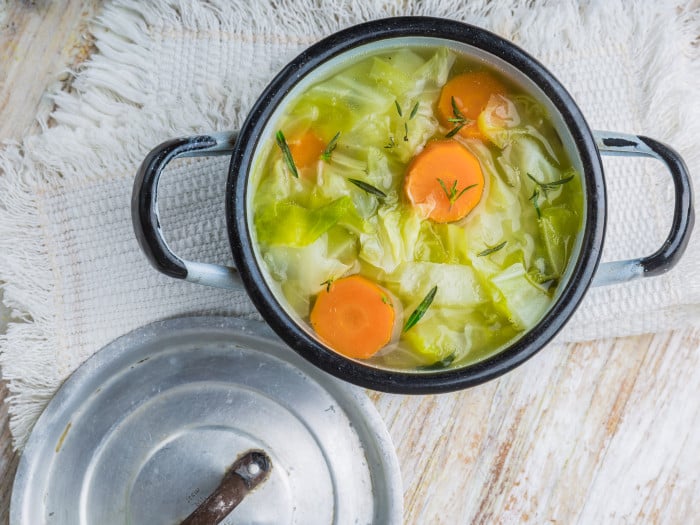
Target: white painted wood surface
(605, 432)
(591, 433)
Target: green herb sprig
(458, 115)
(548, 186)
(494, 249)
(438, 365)
(419, 312)
(282, 143)
(411, 116)
(459, 120)
(454, 131)
(328, 151)
(368, 188)
(327, 283)
(535, 202)
(453, 194)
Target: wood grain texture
(39, 41)
(589, 433)
(602, 432)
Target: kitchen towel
(73, 275)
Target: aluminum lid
(146, 428)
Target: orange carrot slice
(306, 149)
(444, 181)
(471, 93)
(354, 316)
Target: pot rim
(354, 371)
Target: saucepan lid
(145, 430)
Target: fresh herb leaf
(534, 198)
(489, 251)
(456, 112)
(414, 111)
(398, 108)
(444, 188)
(282, 143)
(405, 133)
(459, 119)
(368, 188)
(546, 186)
(326, 155)
(455, 130)
(419, 312)
(391, 143)
(555, 183)
(465, 189)
(327, 283)
(439, 365)
(452, 194)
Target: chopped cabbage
(287, 223)
(393, 239)
(458, 286)
(557, 224)
(301, 271)
(525, 301)
(496, 270)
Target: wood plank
(551, 441)
(39, 41)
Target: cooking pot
(584, 147)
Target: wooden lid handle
(246, 473)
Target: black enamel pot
(584, 146)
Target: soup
(416, 209)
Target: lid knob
(246, 473)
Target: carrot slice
(444, 181)
(471, 93)
(354, 316)
(306, 149)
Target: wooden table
(592, 433)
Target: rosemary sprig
(456, 112)
(438, 365)
(327, 283)
(368, 188)
(454, 130)
(547, 186)
(494, 249)
(459, 119)
(326, 155)
(452, 194)
(282, 143)
(414, 110)
(534, 198)
(419, 312)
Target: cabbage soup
(416, 209)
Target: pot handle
(144, 210)
(610, 143)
